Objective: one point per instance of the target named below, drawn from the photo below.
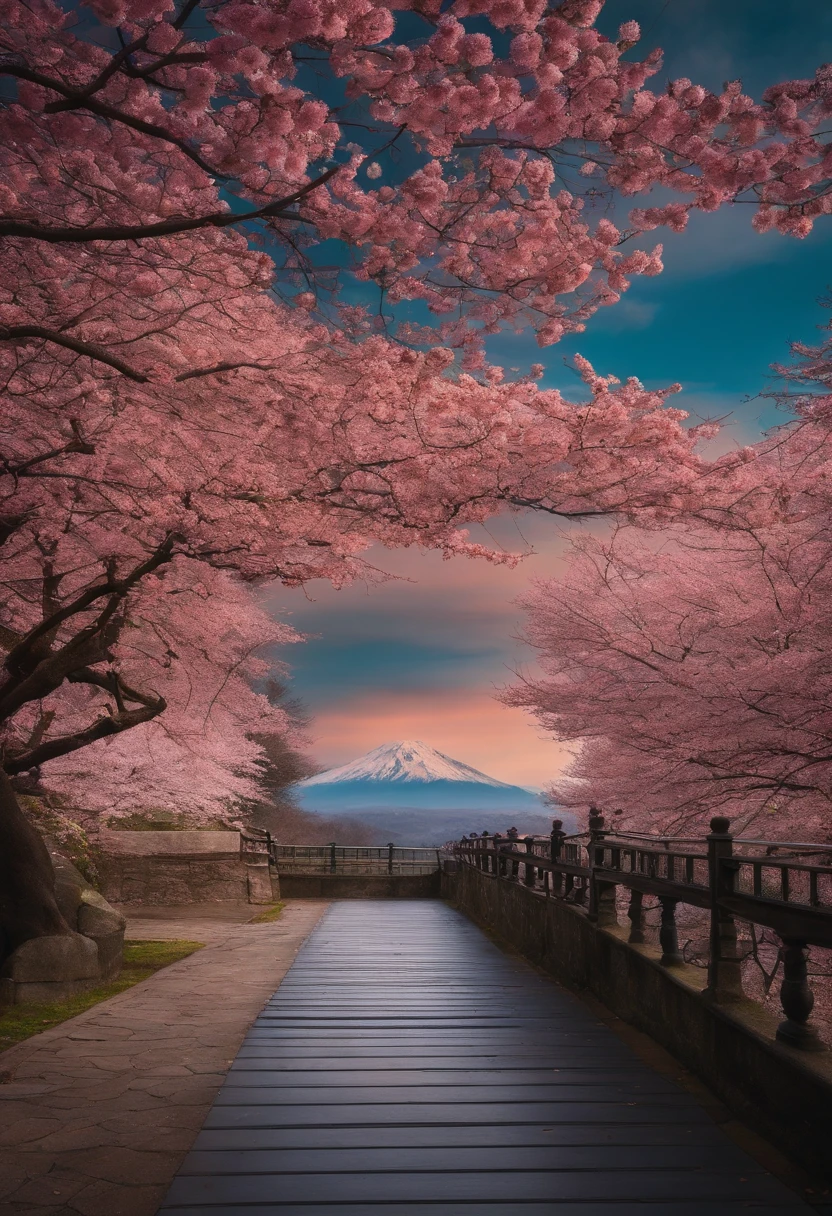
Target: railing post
(555, 848)
(530, 875)
(499, 861)
(485, 863)
(724, 963)
(635, 914)
(390, 850)
(668, 934)
(514, 839)
(601, 894)
(797, 999)
(333, 861)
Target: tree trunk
(27, 881)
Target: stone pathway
(101, 1109)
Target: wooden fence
(782, 886)
(341, 859)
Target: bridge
(407, 1064)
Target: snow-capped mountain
(413, 794)
(410, 761)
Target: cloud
(627, 314)
(423, 656)
(465, 606)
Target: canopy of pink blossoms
(691, 669)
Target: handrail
(790, 896)
(354, 859)
(646, 836)
(785, 844)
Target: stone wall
(173, 843)
(173, 880)
(161, 868)
(359, 886)
(786, 1094)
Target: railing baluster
(635, 913)
(668, 934)
(784, 883)
(758, 878)
(797, 999)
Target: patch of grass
(268, 914)
(141, 960)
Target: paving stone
(126, 1166)
(13, 1090)
(52, 1190)
(28, 1131)
(110, 1199)
(74, 1138)
(173, 1139)
(101, 1110)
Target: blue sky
(421, 658)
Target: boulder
(53, 967)
(46, 969)
(70, 956)
(87, 911)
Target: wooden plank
(676, 1208)
(611, 1186)
(384, 1072)
(419, 1080)
(434, 1159)
(428, 1094)
(407, 1066)
(449, 1113)
(365, 1053)
(504, 1135)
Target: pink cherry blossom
(690, 668)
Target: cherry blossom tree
(287, 467)
(458, 153)
(194, 636)
(183, 385)
(692, 667)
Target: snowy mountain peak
(407, 761)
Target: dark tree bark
(27, 881)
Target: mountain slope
(410, 775)
(409, 761)
(412, 794)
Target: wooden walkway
(406, 1065)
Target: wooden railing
(782, 886)
(333, 858)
